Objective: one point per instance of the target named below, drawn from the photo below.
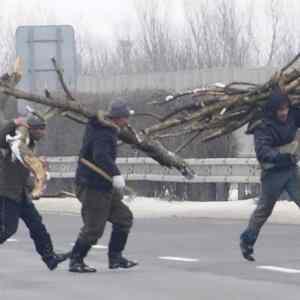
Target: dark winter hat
(36, 122)
(119, 109)
(277, 98)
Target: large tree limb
(220, 110)
(150, 147)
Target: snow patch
(142, 207)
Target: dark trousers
(97, 208)
(273, 183)
(10, 213)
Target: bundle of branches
(220, 109)
(72, 108)
(215, 111)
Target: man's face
(282, 112)
(37, 134)
(121, 122)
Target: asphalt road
(179, 259)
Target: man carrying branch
(17, 141)
(101, 199)
(275, 147)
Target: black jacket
(99, 146)
(270, 133)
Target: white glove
(14, 143)
(118, 182)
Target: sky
(102, 17)
(105, 17)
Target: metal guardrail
(211, 170)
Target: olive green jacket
(14, 177)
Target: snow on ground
(285, 211)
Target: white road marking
(11, 240)
(184, 259)
(99, 247)
(279, 269)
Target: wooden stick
(102, 173)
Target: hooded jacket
(270, 133)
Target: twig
(187, 142)
(61, 80)
(151, 115)
(289, 64)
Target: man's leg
(9, 218)
(122, 219)
(272, 185)
(40, 236)
(94, 211)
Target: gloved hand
(118, 182)
(294, 158)
(286, 159)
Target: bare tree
(284, 39)
(154, 39)
(7, 49)
(275, 27)
(216, 34)
(221, 36)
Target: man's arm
(14, 135)
(8, 128)
(296, 113)
(266, 153)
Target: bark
(68, 104)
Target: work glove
(119, 185)
(118, 182)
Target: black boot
(53, 260)
(247, 251)
(79, 266)
(79, 252)
(117, 244)
(117, 261)
(247, 241)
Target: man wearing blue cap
(276, 151)
(101, 199)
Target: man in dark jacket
(274, 137)
(102, 200)
(15, 202)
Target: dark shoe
(55, 259)
(121, 262)
(247, 250)
(77, 266)
(247, 241)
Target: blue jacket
(99, 146)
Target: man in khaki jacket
(15, 195)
